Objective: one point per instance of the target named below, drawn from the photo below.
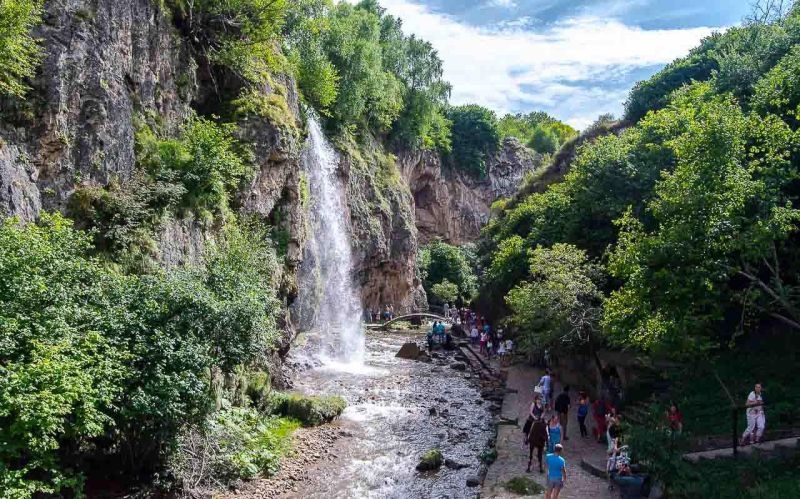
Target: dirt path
(512, 458)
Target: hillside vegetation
(677, 233)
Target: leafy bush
(95, 363)
(431, 460)
(241, 35)
(523, 486)
(445, 291)
(19, 51)
(560, 303)
(439, 262)
(476, 136)
(205, 160)
(309, 410)
(233, 443)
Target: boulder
(409, 351)
(431, 460)
(473, 481)
(458, 366)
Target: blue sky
(575, 59)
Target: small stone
(473, 481)
(432, 411)
(458, 366)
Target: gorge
(204, 203)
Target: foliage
(721, 208)
(439, 262)
(19, 50)
(206, 160)
(524, 486)
(96, 363)
(540, 131)
(558, 304)
(445, 291)
(234, 443)
(241, 35)
(476, 136)
(58, 370)
(692, 209)
(309, 410)
(252, 102)
(431, 460)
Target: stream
(389, 423)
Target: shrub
(523, 486)
(431, 460)
(309, 410)
(233, 443)
(19, 51)
(206, 160)
(98, 364)
(445, 291)
(476, 136)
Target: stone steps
(777, 448)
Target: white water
(327, 271)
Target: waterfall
(326, 276)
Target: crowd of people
(376, 315)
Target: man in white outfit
(755, 417)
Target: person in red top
(599, 410)
(675, 419)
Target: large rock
(454, 206)
(409, 351)
(431, 460)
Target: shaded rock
(454, 465)
(473, 481)
(432, 411)
(458, 366)
(431, 460)
(409, 351)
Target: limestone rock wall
(109, 64)
(454, 206)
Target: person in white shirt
(756, 419)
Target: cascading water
(327, 272)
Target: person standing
(756, 419)
(562, 406)
(583, 411)
(556, 468)
(554, 433)
(446, 310)
(546, 382)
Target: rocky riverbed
(398, 410)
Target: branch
(785, 320)
(775, 296)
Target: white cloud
(501, 3)
(562, 67)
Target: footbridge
(422, 315)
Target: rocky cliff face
(112, 64)
(384, 234)
(455, 206)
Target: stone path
(512, 458)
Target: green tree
(19, 50)
(476, 136)
(439, 262)
(559, 305)
(718, 214)
(544, 140)
(445, 291)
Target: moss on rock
(309, 410)
(431, 460)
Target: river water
(390, 424)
